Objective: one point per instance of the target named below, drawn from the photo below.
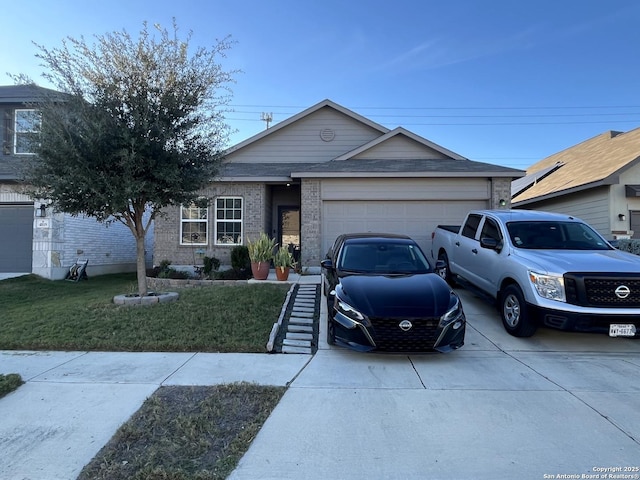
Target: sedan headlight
(548, 286)
(454, 313)
(346, 309)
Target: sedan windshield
(382, 258)
(555, 236)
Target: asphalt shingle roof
(363, 166)
(589, 162)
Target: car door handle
(475, 250)
(457, 244)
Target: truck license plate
(622, 330)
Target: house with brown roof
(324, 172)
(597, 180)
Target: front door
(289, 229)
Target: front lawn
(39, 314)
(179, 433)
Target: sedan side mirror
(327, 263)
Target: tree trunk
(141, 266)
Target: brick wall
(500, 189)
(310, 223)
(167, 229)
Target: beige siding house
(597, 180)
(327, 171)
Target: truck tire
(516, 317)
(446, 271)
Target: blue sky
(499, 81)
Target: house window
(25, 132)
(193, 225)
(228, 221)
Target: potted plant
(261, 253)
(283, 261)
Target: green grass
(40, 314)
(185, 433)
(9, 382)
(180, 433)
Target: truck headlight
(548, 286)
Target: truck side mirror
(491, 243)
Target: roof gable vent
(327, 135)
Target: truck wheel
(515, 314)
(446, 271)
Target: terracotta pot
(260, 270)
(282, 273)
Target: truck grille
(389, 337)
(599, 290)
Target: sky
(498, 81)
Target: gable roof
(592, 163)
(404, 168)
(383, 153)
(396, 132)
(305, 113)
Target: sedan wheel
(331, 331)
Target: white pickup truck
(543, 268)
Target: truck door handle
(457, 244)
(475, 250)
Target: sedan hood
(560, 261)
(412, 296)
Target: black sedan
(383, 295)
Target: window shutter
(7, 131)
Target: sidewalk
(73, 402)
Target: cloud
(451, 50)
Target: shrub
(8, 383)
(165, 271)
(211, 264)
(233, 274)
(629, 245)
(240, 259)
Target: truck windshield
(555, 236)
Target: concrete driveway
(557, 405)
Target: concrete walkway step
(297, 328)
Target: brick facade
(310, 223)
(500, 190)
(255, 220)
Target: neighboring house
(323, 172)
(36, 239)
(597, 180)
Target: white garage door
(414, 218)
(16, 240)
